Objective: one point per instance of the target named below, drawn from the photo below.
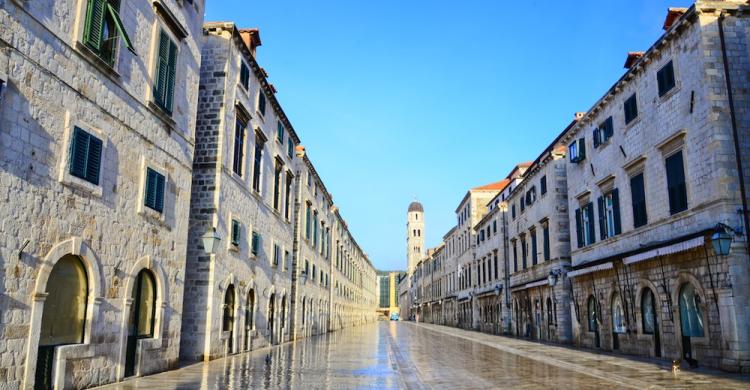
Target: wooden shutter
(608, 128)
(171, 74)
(581, 149)
(602, 218)
(590, 213)
(150, 200)
(79, 146)
(676, 183)
(93, 160)
(597, 138)
(162, 66)
(92, 35)
(579, 228)
(160, 181)
(110, 9)
(616, 210)
(235, 233)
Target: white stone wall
(53, 85)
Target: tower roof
(416, 206)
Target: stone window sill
(97, 62)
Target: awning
(665, 250)
(538, 283)
(588, 270)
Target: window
(256, 244)
(85, 156)
(545, 240)
(604, 132)
(144, 301)
(494, 227)
(277, 185)
(276, 255)
(239, 146)
(288, 195)
(522, 203)
(638, 195)
(261, 102)
(154, 198)
(648, 311)
(593, 314)
(585, 225)
(103, 25)
(166, 67)
(287, 259)
(543, 185)
(244, 75)
(307, 267)
(308, 221)
(530, 196)
(524, 251)
(315, 229)
(494, 264)
(513, 211)
(691, 318)
(676, 183)
(665, 78)
(290, 147)
(257, 161)
(280, 132)
(236, 232)
(609, 214)
(534, 258)
(631, 109)
(618, 315)
(577, 150)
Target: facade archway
(592, 307)
(249, 318)
(650, 318)
(618, 321)
(691, 319)
(141, 317)
(227, 322)
(271, 312)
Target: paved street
(405, 355)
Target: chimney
(633, 56)
(672, 15)
(251, 37)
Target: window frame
(158, 206)
(630, 108)
(668, 70)
(167, 105)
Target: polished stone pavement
(415, 356)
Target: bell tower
(414, 236)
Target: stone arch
(644, 284)
(75, 246)
(162, 294)
(683, 278)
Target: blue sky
(396, 100)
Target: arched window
(691, 318)
(227, 323)
(64, 315)
(592, 314)
(618, 315)
(144, 304)
(250, 310)
(648, 311)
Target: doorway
(141, 317)
(227, 324)
(651, 319)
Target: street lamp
(721, 240)
(210, 241)
(497, 289)
(552, 278)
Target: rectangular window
(308, 222)
(494, 227)
(154, 198)
(523, 204)
(577, 150)
(276, 255)
(290, 147)
(257, 162)
(638, 195)
(631, 109)
(545, 243)
(287, 259)
(277, 185)
(585, 225)
(609, 214)
(255, 244)
(513, 211)
(244, 75)
(239, 146)
(85, 156)
(676, 183)
(166, 67)
(534, 258)
(604, 132)
(524, 251)
(665, 78)
(236, 232)
(543, 185)
(288, 195)
(280, 132)
(103, 29)
(262, 102)
(494, 264)
(315, 229)
(307, 267)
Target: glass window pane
(647, 310)
(146, 304)
(618, 315)
(690, 312)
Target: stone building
(388, 292)
(97, 115)
(271, 277)
(539, 249)
(654, 174)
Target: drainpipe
(733, 116)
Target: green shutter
(579, 228)
(93, 160)
(78, 153)
(154, 197)
(120, 28)
(92, 35)
(602, 218)
(616, 210)
(171, 73)
(161, 69)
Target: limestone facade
(96, 147)
(287, 266)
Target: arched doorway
(550, 318)
(593, 317)
(271, 310)
(63, 316)
(651, 319)
(227, 323)
(691, 320)
(141, 317)
(618, 321)
(249, 319)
